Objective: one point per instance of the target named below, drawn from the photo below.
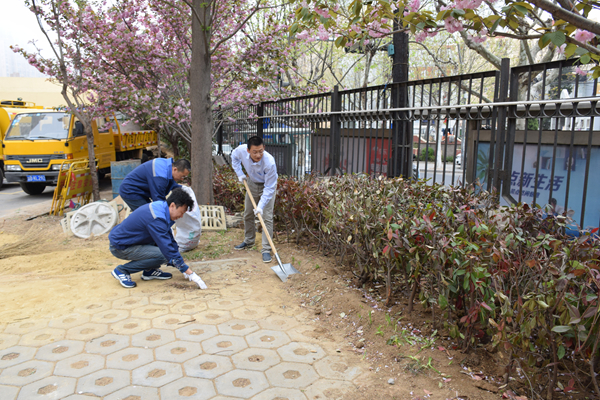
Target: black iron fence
(532, 133)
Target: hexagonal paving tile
(236, 292)
(87, 331)
(25, 373)
(188, 388)
(69, 321)
(301, 352)
(93, 308)
(280, 393)
(42, 337)
(211, 293)
(224, 345)
(156, 374)
(251, 312)
(267, 339)
(107, 344)
(207, 366)
(150, 311)
(152, 338)
(167, 298)
(178, 351)
(188, 307)
(196, 332)
(134, 392)
(79, 365)
(8, 340)
(15, 355)
(103, 382)
(328, 389)
(130, 326)
(292, 375)
(302, 333)
(9, 392)
(110, 316)
(224, 304)
(256, 359)
(337, 367)
(53, 387)
(23, 327)
(171, 321)
(131, 302)
(130, 358)
(60, 350)
(240, 383)
(238, 327)
(278, 322)
(212, 317)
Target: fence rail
(531, 132)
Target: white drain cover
(93, 219)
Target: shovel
(282, 270)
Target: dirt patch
(60, 349)
(208, 365)
(47, 389)
(108, 343)
(178, 350)
(157, 373)
(130, 357)
(188, 391)
(27, 372)
(107, 380)
(80, 364)
(256, 358)
(291, 374)
(241, 382)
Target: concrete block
(207, 366)
(156, 374)
(292, 375)
(60, 350)
(267, 339)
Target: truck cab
(38, 142)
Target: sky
(18, 26)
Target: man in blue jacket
(153, 180)
(146, 240)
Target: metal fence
(531, 132)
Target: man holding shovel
(262, 183)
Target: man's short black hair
(182, 165)
(180, 198)
(255, 141)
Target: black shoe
(242, 246)
(267, 257)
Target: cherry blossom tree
(67, 66)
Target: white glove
(193, 277)
(242, 178)
(258, 211)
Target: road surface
(12, 196)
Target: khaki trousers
(256, 191)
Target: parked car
(458, 159)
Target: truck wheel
(32, 188)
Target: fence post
(259, 120)
(335, 134)
(506, 173)
(497, 176)
(220, 132)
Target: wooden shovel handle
(249, 193)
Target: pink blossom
(420, 36)
(323, 34)
(453, 25)
(561, 49)
(303, 35)
(580, 71)
(323, 13)
(414, 5)
(583, 36)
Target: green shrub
(427, 155)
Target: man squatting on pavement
(152, 181)
(146, 240)
(262, 182)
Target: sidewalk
(229, 341)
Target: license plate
(36, 178)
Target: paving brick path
(225, 343)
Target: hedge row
(504, 275)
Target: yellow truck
(38, 141)
(8, 109)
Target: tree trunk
(200, 84)
(87, 127)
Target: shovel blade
(279, 271)
(289, 269)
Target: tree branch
(569, 16)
